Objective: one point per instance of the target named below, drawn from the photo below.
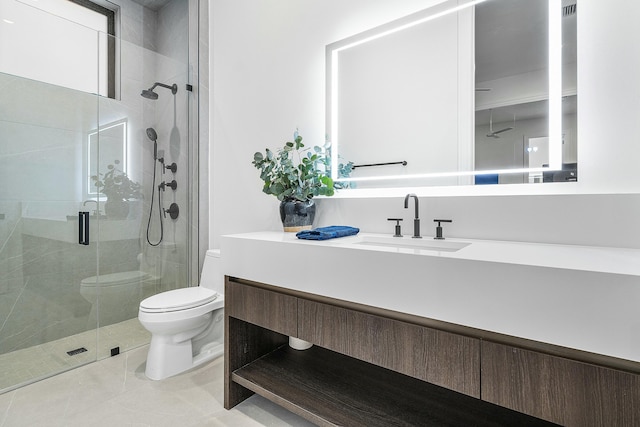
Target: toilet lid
(115, 278)
(178, 299)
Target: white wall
(268, 79)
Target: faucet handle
(398, 228)
(439, 228)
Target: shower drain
(76, 351)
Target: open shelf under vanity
(331, 389)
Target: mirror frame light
(95, 134)
(434, 12)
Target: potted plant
(119, 189)
(294, 175)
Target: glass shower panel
(126, 162)
(45, 321)
(143, 250)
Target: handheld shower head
(150, 94)
(153, 136)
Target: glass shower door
(45, 320)
(62, 150)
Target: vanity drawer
(441, 358)
(268, 309)
(560, 390)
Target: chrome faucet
(416, 220)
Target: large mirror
(463, 93)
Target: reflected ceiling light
(8, 21)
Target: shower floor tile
(37, 362)
(115, 392)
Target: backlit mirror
(463, 93)
(110, 141)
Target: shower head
(150, 94)
(153, 136)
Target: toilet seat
(114, 279)
(178, 300)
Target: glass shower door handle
(83, 228)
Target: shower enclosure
(77, 167)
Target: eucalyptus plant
(294, 172)
(116, 185)
(344, 171)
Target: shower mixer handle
(173, 185)
(172, 167)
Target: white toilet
(116, 296)
(187, 324)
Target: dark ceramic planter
(116, 209)
(297, 216)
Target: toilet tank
(212, 277)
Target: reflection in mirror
(516, 137)
(111, 141)
(512, 92)
(415, 89)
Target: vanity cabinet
(256, 321)
(365, 369)
(441, 358)
(561, 390)
(271, 310)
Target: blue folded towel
(325, 233)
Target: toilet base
(167, 358)
(209, 352)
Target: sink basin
(426, 243)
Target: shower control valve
(173, 185)
(172, 167)
(173, 211)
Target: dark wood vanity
(375, 367)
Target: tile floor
(22, 366)
(115, 392)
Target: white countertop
(572, 257)
(587, 298)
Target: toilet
(116, 296)
(186, 324)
